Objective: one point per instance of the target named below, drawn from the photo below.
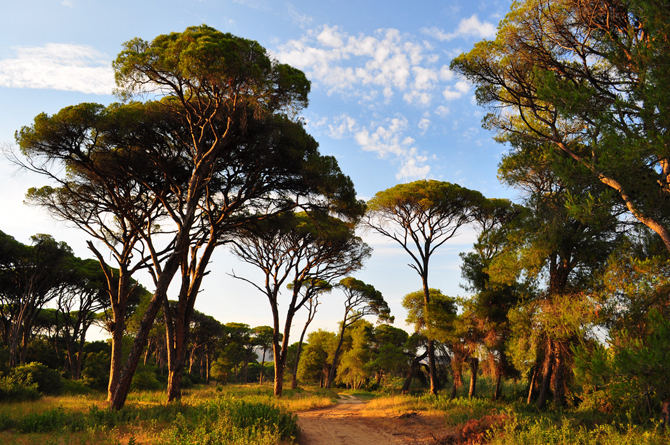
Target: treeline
(569, 286)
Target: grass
(512, 422)
(232, 414)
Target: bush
(48, 380)
(95, 373)
(75, 387)
(145, 379)
(13, 389)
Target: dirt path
(347, 423)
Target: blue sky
(383, 102)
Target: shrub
(48, 380)
(13, 389)
(145, 379)
(95, 373)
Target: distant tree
(361, 299)
(315, 288)
(78, 304)
(354, 367)
(421, 216)
(317, 358)
(263, 340)
(297, 248)
(30, 277)
(389, 354)
(205, 332)
(435, 323)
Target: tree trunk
(496, 392)
(279, 369)
(410, 375)
(474, 367)
(117, 351)
(546, 374)
(262, 367)
(559, 376)
(119, 391)
(434, 383)
(336, 356)
(532, 383)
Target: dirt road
(348, 423)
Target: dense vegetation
(565, 337)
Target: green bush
(145, 379)
(48, 380)
(75, 387)
(95, 373)
(13, 389)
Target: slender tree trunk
(310, 317)
(117, 351)
(474, 367)
(410, 375)
(336, 356)
(279, 368)
(546, 374)
(496, 392)
(533, 379)
(262, 367)
(434, 383)
(122, 386)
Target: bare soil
(349, 423)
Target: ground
(350, 423)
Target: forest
(566, 326)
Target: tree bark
(532, 384)
(336, 356)
(546, 374)
(559, 376)
(496, 392)
(474, 367)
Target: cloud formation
(388, 139)
(59, 67)
(470, 27)
(368, 67)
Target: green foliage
(545, 431)
(96, 370)
(16, 389)
(632, 369)
(48, 381)
(436, 318)
(317, 356)
(231, 422)
(145, 379)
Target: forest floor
(350, 422)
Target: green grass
(231, 414)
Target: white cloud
(59, 67)
(365, 66)
(299, 19)
(442, 111)
(67, 3)
(330, 37)
(470, 27)
(457, 91)
(424, 124)
(344, 126)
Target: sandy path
(348, 423)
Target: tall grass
(208, 415)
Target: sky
(383, 102)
